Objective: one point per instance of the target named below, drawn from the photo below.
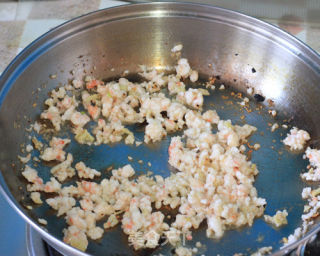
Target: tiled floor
(64, 10)
(8, 11)
(10, 39)
(33, 28)
(23, 21)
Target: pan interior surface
(241, 51)
(278, 181)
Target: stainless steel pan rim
(163, 9)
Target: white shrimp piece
(129, 140)
(42, 221)
(295, 236)
(55, 151)
(68, 113)
(278, 220)
(50, 154)
(103, 208)
(123, 200)
(152, 107)
(31, 175)
(263, 251)
(156, 80)
(125, 113)
(29, 148)
(242, 148)
(174, 151)
(176, 112)
(58, 94)
(77, 217)
(52, 114)
(192, 97)
(296, 139)
(124, 83)
(86, 172)
(37, 127)
(79, 120)
(256, 146)
(306, 192)
(170, 126)
(154, 131)
(313, 173)
(107, 104)
(90, 219)
(66, 103)
(109, 188)
(63, 170)
(211, 116)
(250, 90)
(177, 48)
(215, 227)
(76, 238)
(182, 222)
(154, 85)
(183, 251)
(244, 102)
(89, 187)
(111, 222)
(152, 239)
(36, 198)
(59, 143)
(61, 203)
(152, 75)
(69, 191)
(25, 159)
(36, 143)
(227, 134)
(175, 85)
(94, 111)
(194, 76)
(95, 233)
(125, 172)
(244, 131)
(82, 136)
(139, 220)
(274, 127)
(183, 68)
(52, 186)
(112, 132)
(78, 84)
(174, 236)
(195, 120)
(136, 240)
(314, 156)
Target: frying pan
(239, 50)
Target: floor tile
(110, 3)
(23, 10)
(62, 9)
(10, 32)
(35, 28)
(8, 11)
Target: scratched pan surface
(239, 50)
